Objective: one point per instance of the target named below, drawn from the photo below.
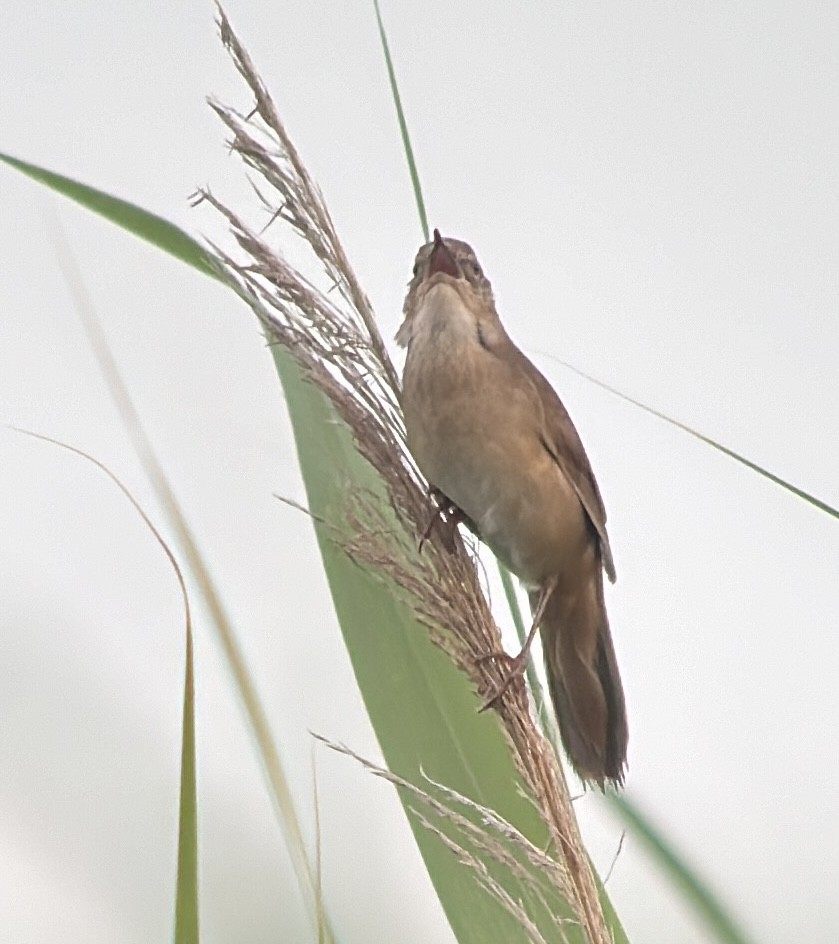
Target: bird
(499, 450)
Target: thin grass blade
(776, 479)
(403, 125)
(696, 892)
(186, 896)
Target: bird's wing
(561, 439)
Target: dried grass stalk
(339, 348)
(490, 837)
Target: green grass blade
(134, 219)
(269, 754)
(696, 892)
(186, 890)
(403, 126)
(776, 479)
(186, 895)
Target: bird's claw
(454, 516)
(515, 666)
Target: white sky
(652, 189)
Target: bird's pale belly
(483, 451)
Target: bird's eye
(477, 271)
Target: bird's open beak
(441, 259)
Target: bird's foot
(515, 666)
(453, 517)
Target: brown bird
(490, 434)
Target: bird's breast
(472, 428)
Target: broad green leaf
(422, 707)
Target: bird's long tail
(584, 681)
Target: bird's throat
(444, 318)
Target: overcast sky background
(652, 189)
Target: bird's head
(452, 262)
